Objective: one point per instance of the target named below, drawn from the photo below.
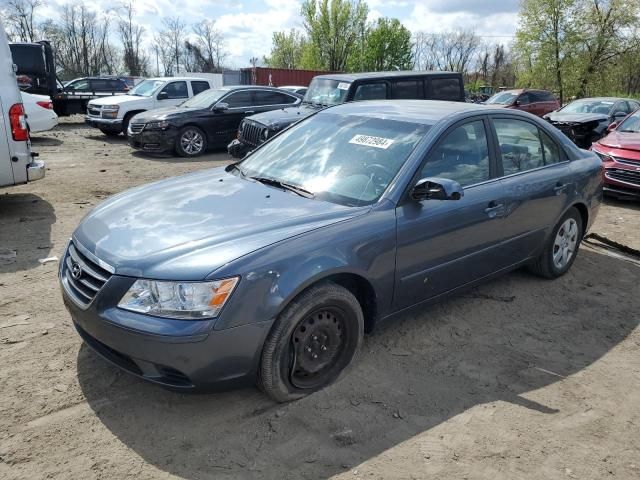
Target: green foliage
(287, 50)
(386, 45)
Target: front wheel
(110, 133)
(191, 142)
(561, 248)
(311, 343)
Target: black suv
(97, 84)
(327, 90)
(210, 119)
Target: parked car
(620, 154)
(209, 119)
(97, 84)
(40, 114)
(295, 89)
(18, 164)
(333, 89)
(537, 102)
(586, 120)
(271, 269)
(112, 114)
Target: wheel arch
(584, 214)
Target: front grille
(136, 127)
(94, 112)
(252, 133)
(82, 277)
(633, 163)
(627, 176)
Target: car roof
(350, 77)
(427, 112)
(260, 87)
(604, 99)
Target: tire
(110, 133)
(125, 123)
(326, 321)
(564, 242)
(191, 142)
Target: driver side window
(176, 90)
(462, 155)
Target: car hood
(575, 117)
(166, 113)
(121, 99)
(186, 227)
(277, 119)
(622, 140)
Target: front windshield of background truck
(146, 88)
(324, 91)
(205, 99)
(344, 159)
(503, 98)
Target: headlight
(157, 125)
(180, 300)
(110, 108)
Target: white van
(17, 162)
(112, 114)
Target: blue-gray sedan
(271, 270)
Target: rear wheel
(561, 248)
(191, 142)
(311, 343)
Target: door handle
(560, 187)
(249, 112)
(494, 209)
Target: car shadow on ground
(100, 137)
(632, 203)
(498, 342)
(25, 231)
(45, 141)
(213, 154)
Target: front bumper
(114, 124)
(178, 354)
(237, 149)
(622, 179)
(153, 140)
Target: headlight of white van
(110, 111)
(180, 300)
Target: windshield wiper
(285, 186)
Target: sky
(248, 25)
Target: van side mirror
(612, 127)
(221, 107)
(437, 189)
(163, 96)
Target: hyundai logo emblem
(76, 271)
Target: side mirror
(437, 189)
(612, 127)
(221, 107)
(517, 103)
(163, 96)
(619, 115)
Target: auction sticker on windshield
(343, 86)
(371, 141)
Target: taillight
(48, 104)
(18, 123)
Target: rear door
(224, 124)
(537, 182)
(443, 244)
(199, 86)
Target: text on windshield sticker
(343, 86)
(371, 141)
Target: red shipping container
(278, 77)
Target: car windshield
(588, 106)
(503, 98)
(631, 124)
(323, 91)
(344, 159)
(146, 88)
(205, 99)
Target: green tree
(286, 50)
(386, 45)
(333, 28)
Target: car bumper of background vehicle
(153, 140)
(43, 124)
(35, 170)
(622, 179)
(105, 123)
(217, 359)
(237, 149)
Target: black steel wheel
(311, 343)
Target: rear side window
(463, 156)
(273, 98)
(199, 86)
(371, 91)
(548, 97)
(100, 85)
(523, 146)
(176, 90)
(524, 99)
(408, 89)
(239, 99)
(445, 89)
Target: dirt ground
(521, 378)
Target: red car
(538, 102)
(620, 153)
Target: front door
(443, 244)
(224, 124)
(172, 94)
